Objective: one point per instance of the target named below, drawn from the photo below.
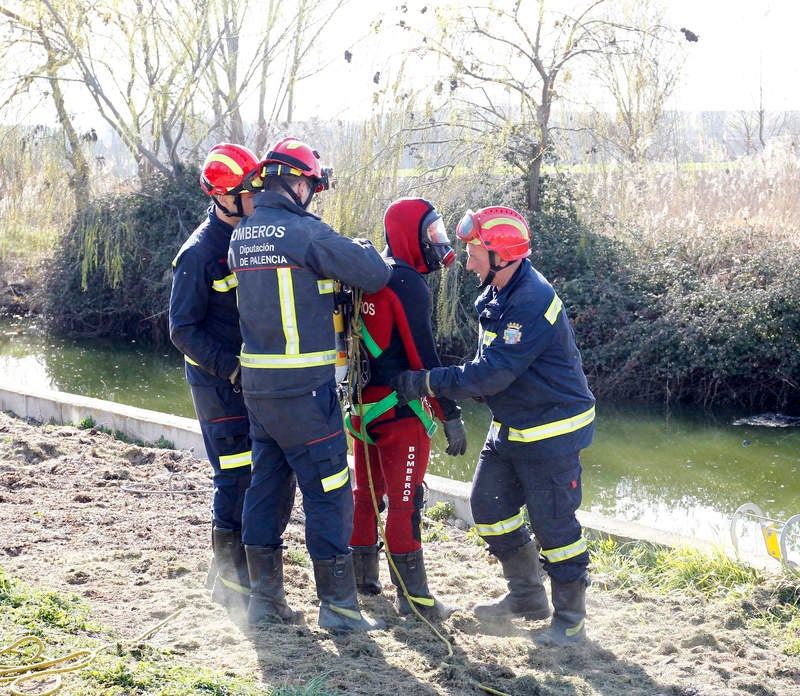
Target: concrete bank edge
(150, 426)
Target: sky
(743, 46)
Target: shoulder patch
(513, 333)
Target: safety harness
(370, 411)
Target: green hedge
(708, 320)
(112, 271)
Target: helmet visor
(435, 232)
(436, 249)
(467, 229)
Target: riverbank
(147, 426)
(88, 514)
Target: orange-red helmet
(225, 169)
(498, 229)
(293, 157)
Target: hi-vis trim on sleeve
(288, 316)
(190, 361)
(337, 480)
(225, 284)
(542, 432)
(501, 527)
(552, 311)
(564, 553)
(235, 461)
(326, 287)
(488, 337)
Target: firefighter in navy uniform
(528, 370)
(397, 336)
(286, 262)
(204, 326)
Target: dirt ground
(73, 518)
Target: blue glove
(410, 385)
(456, 436)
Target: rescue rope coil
(34, 667)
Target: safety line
(355, 359)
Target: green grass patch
(62, 622)
(767, 601)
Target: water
(679, 472)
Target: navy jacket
(203, 321)
(285, 260)
(527, 368)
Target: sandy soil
(72, 519)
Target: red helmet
(498, 229)
(225, 169)
(291, 156)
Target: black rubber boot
(231, 586)
(365, 567)
(526, 596)
(411, 568)
(569, 612)
(267, 596)
(338, 601)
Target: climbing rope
(35, 668)
(354, 358)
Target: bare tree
(165, 77)
(639, 74)
(42, 55)
(507, 64)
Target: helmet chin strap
(239, 212)
(286, 187)
(493, 269)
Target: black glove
(410, 385)
(456, 436)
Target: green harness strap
(369, 412)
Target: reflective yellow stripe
(292, 357)
(235, 586)
(190, 361)
(424, 601)
(281, 361)
(552, 311)
(564, 553)
(542, 432)
(337, 480)
(502, 527)
(229, 162)
(353, 614)
(234, 461)
(288, 316)
(513, 222)
(326, 286)
(575, 629)
(225, 284)
(488, 337)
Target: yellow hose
(36, 669)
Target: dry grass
(653, 200)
